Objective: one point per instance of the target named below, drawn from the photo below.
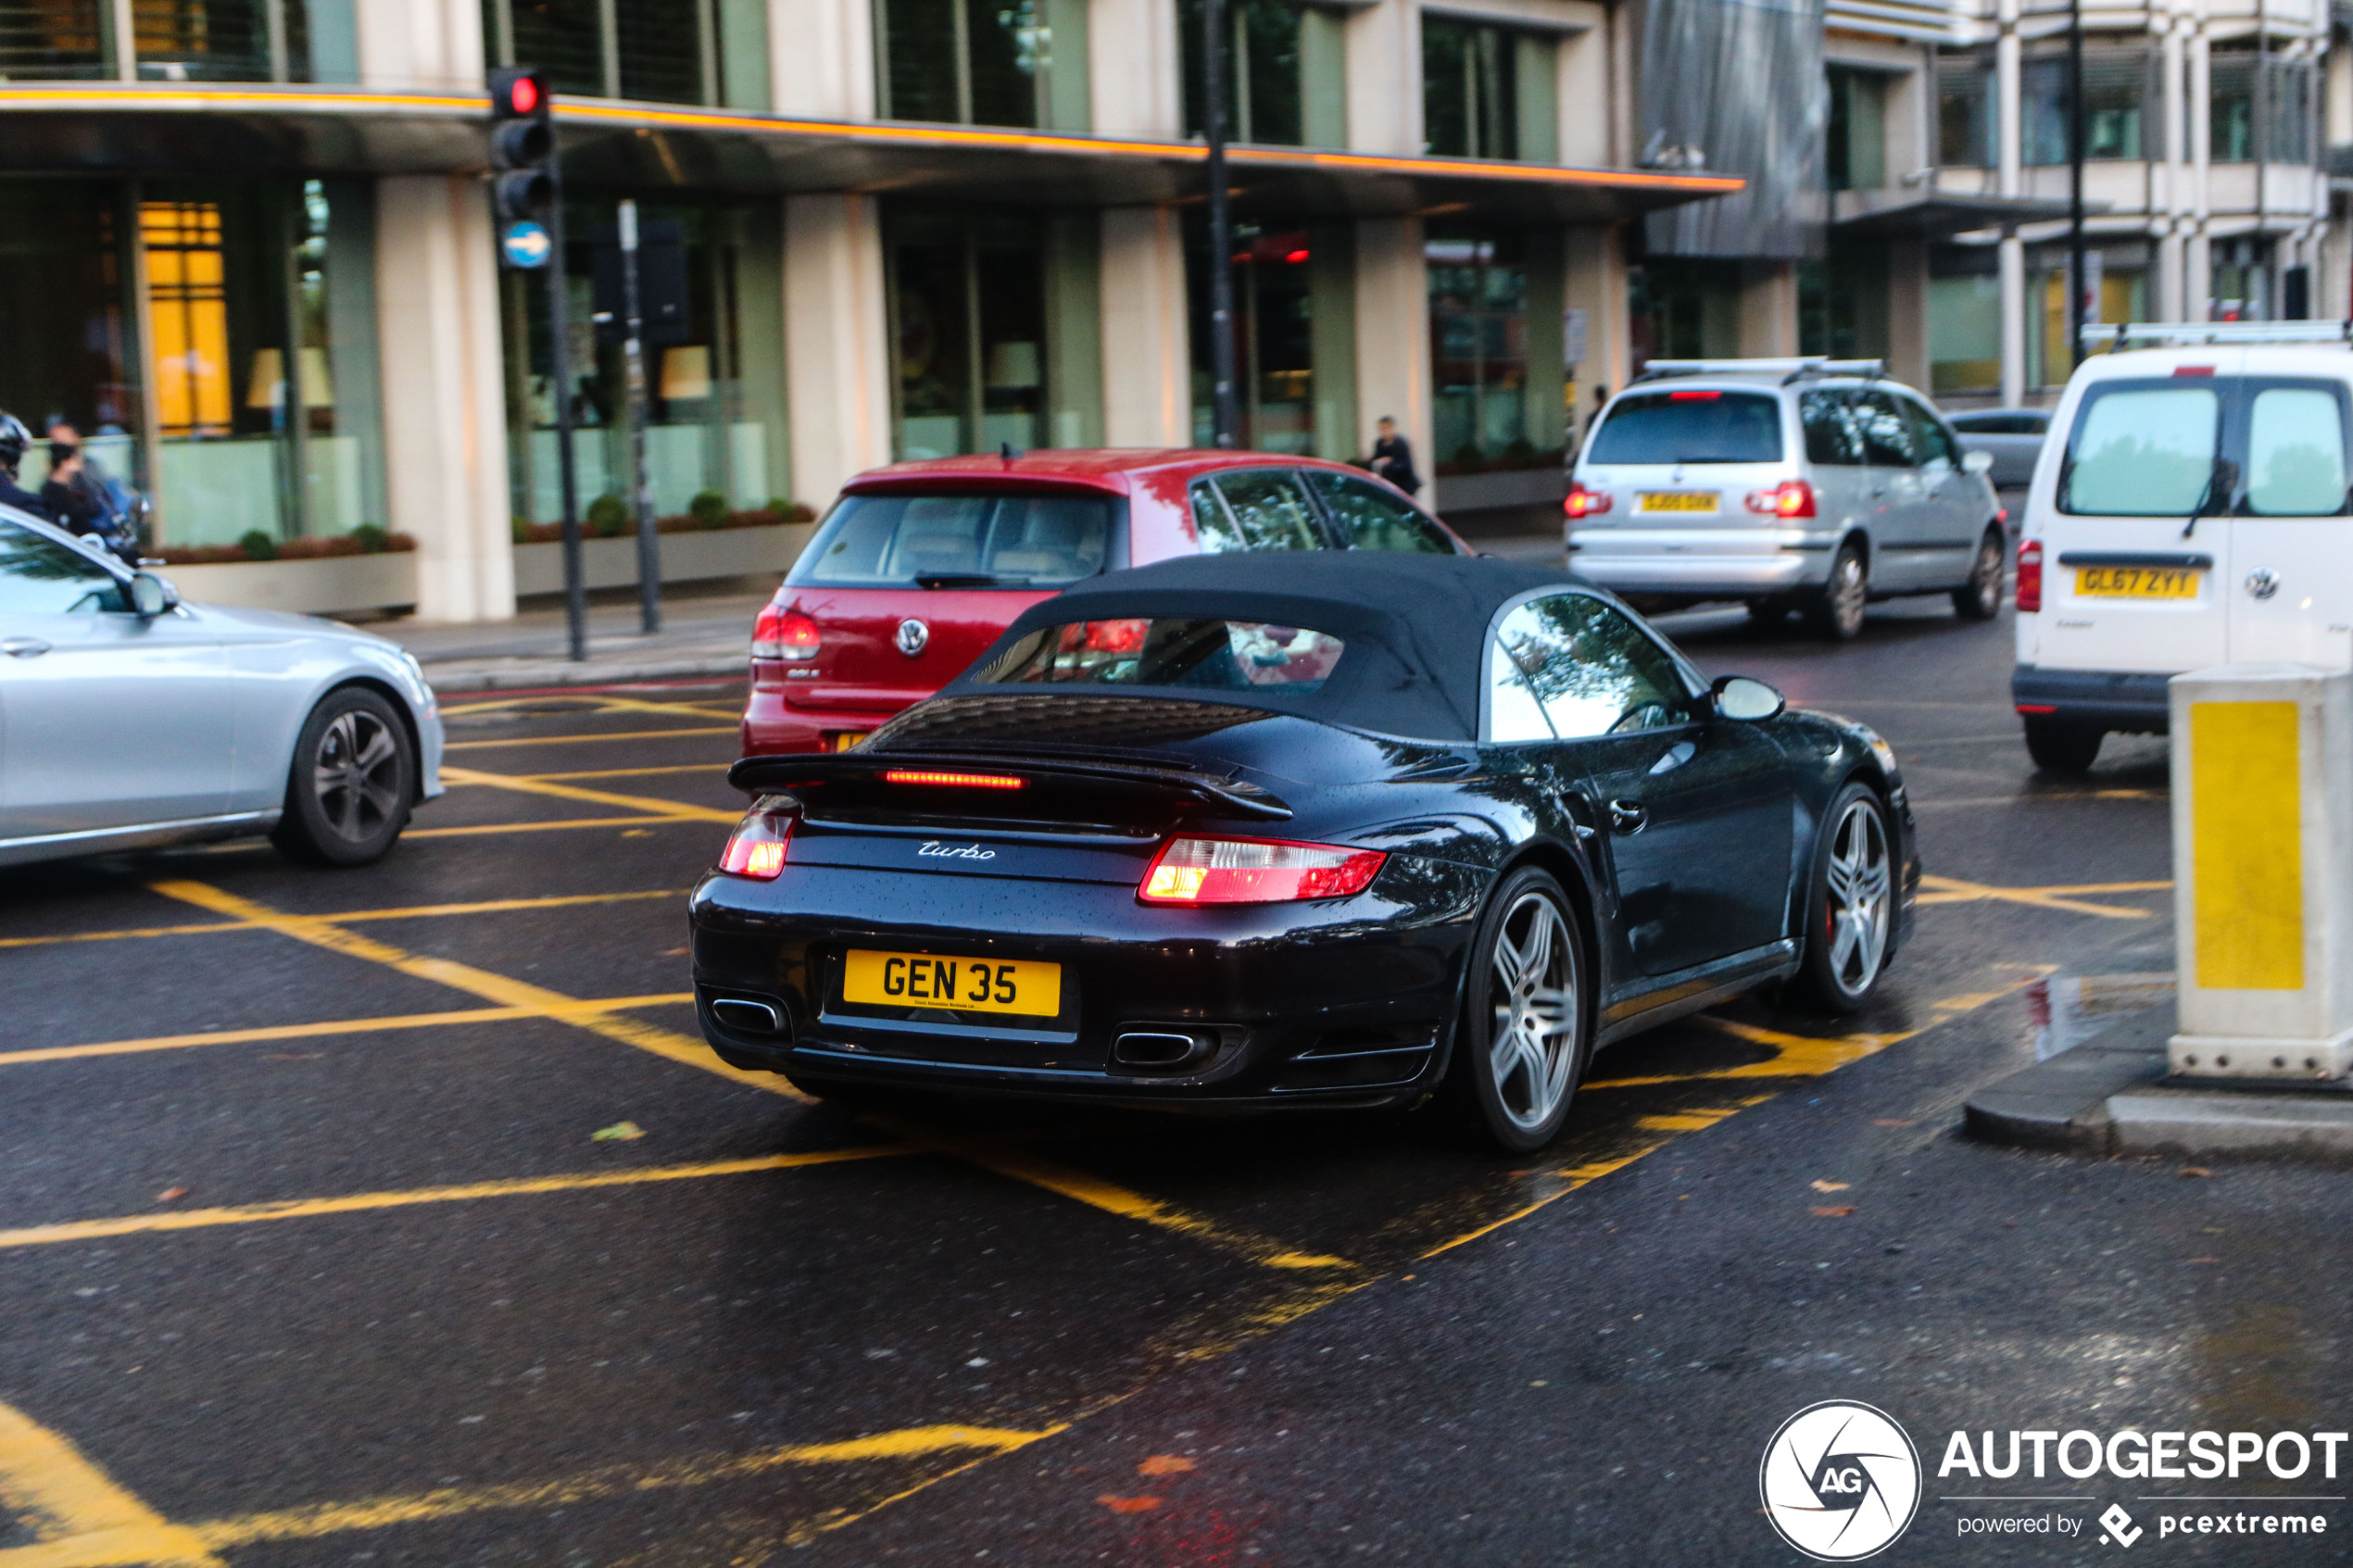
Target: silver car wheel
(1858, 899)
(1532, 1048)
(1985, 578)
(1849, 590)
(356, 775)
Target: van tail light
(2030, 576)
(1582, 502)
(1791, 497)
(756, 848)
(1254, 870)
(784, 633)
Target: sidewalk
(700, 636)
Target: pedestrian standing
(1393, 458)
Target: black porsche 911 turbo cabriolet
(1324, 828)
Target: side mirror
(151, 595)
(1749, 701)
(1977, 462)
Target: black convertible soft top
(1414, 625)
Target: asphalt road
(398, 1216)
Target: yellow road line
(418, 912)
(594, 796)
(321, 932)
(79, 1517)
(599, 703)
(451, 1502)
(1952, 890)
(1575, 1177)
(542, 827)
(576, 740)
(330, 1027)
(626, 772)
(464, 1192)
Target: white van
(2190, 508)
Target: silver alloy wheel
(1532, 1047)
(1985, 577)
(1858, 899)
(1849, 590)
(356, 776)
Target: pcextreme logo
(1841, 1481)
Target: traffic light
(522, 146)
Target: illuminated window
(50, 38)
(185, 279)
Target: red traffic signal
(517, 93)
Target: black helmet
(14, 441)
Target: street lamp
(1224, 419)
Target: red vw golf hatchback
(919, 566)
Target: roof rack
(1789, 369)
(2115, 337)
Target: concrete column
(1768, 309)
(1907, 311)
(1597, 286)
(1148, 395)
(445, 414)
(1135, 71)
(2171, 293)
(1583, 98)
(821, 59)
(409, 44)
(1385, 78)
(836, 341)
(1392, 335)
(2197, 271)
(2013, 273)
(2009, 153)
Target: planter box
(323, 585)
(1515, 487)
(686, 557)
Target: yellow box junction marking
(2246, 834)
(346, 917)
(579, 740)
(331, 1027)
(645, 803)
(1952, 890)
(460, 1192)
(571, 823)
(79, 1517)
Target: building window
(968, 327)
(983, 62)
(2231, 106)
(653, 50)
(172, 40)
(52, 40)
(1470, 89)
(1964, 321)
(2261, 107)
(1856, 144)
(2240, 281)
(1965, 112)
(1499, 386)
(2117, 85)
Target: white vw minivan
(2190, 508)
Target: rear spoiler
(864, 774)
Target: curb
(2110, 1096)
(586, 672)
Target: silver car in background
(2012, 437)
(1811, 486)
(130, 720)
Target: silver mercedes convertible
(130, 720)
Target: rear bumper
(1345, 1002)
(773, 728)
(2132, 702)
(1728, 576)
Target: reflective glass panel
(2143, 452)
(2296, 453)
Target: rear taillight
(1791, 497)
(784, 633)
(1254, 870)
(2030, 576)
(1582, 502)
(756, 849)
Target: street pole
(560, 376)
(1224, 422)
(634, 351)
(2075, 118)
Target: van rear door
(2129, 581)
(2288, 577)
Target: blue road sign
(525, 244)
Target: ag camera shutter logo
(1841, 1481)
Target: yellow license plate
(847, 740)
(2136, 582)
(1676, 500)
(926, 980)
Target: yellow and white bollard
(2263, 871)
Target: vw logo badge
(2263, 581)
(912, 637)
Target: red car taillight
(2030, 576)
(1582, 502)
(1254, 870)
(1791, 497)
(784, 633)
(756, 848)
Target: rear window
(979, 541)
(1231, 656)
(2142, 451)
(2001, 424)
(1691, 426)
